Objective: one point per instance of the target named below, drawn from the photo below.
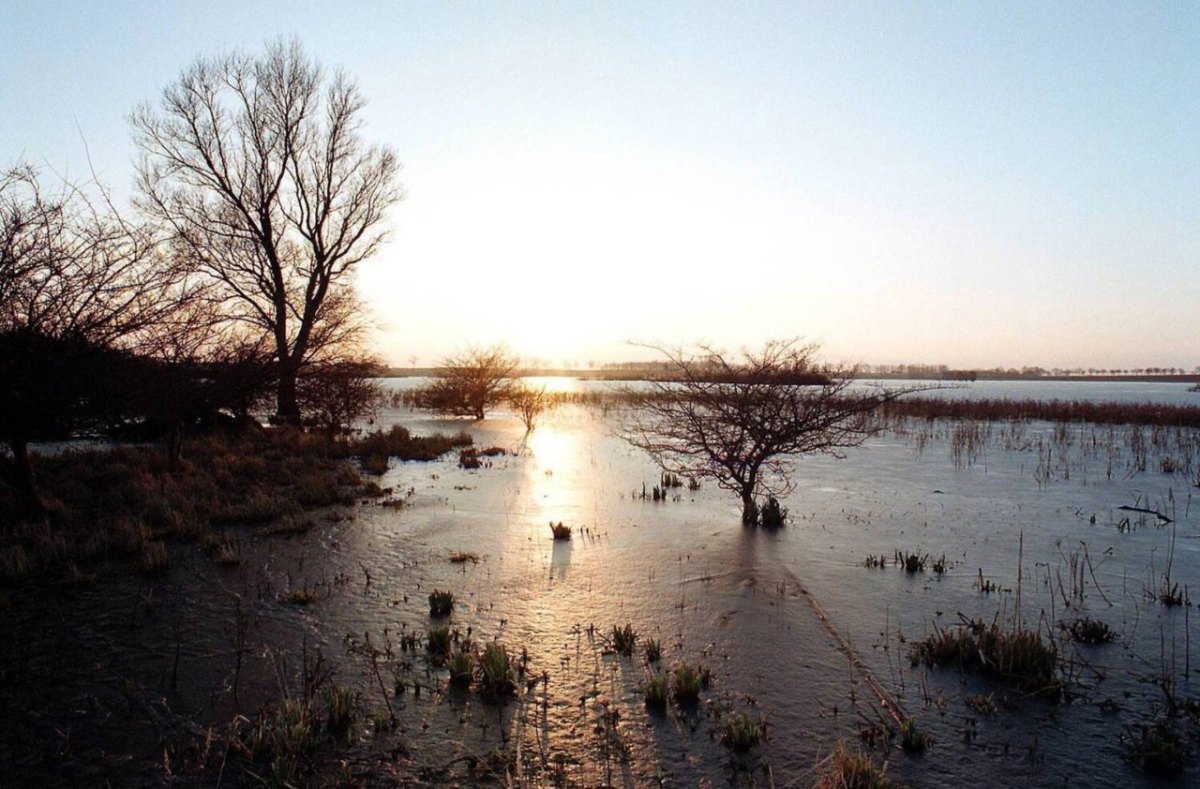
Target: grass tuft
(496, 676)
(623, 639)
(741, 733)
(850, 769)
(441, 603)
(1013, 653)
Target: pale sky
(973, 184)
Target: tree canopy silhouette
(258, 167)
(738, 419)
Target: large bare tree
(259, 168)
(738, 419)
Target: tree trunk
(287, 405)
(175, 447)
(749, 508)
(19, 476)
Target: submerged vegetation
(1009, 652)
(263, 480)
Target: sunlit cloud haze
(968, 184)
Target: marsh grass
(847, 768)
(1013, 653)
(686, 683)
(154, 558)
(441, 603)
(623, 640)
(741, 732)
(462, 667)
(110, 506)
(652, 648)
(772, 515)
(912, 562)
(656, 692)
(912, 739)
(1159, 749)
(437, 643)
(284, 740)
(497, 678)
(559, 531)
(1089, 631)
(340, 703)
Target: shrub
(773, 515)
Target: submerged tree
(259, 169)
(739, 419)
(529, 403)
(471, 382)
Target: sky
(971, 184)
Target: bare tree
(738, 419)
(470, 382)
(81, 292)
(258, 167)
(528, 402)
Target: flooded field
(1038, 523)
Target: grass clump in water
(653, 650)
(686, 683)
(496, 676)
(656, 692)
(912, 739)
(1013, 653)
(1089, 631)
(437, 643)
(340, 702)
(623, 639)
(773, 515)
(560, 531)
(912, 562)
(441, 603)
(462, 668)
(1158, 749)
(850, 769)
(741, 733)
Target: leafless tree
(258, 167)
(470, 382)
(81, 293)
(529, 403)
(739, 419)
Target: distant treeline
(645, 371)
(989, 409)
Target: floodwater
(795, 629)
